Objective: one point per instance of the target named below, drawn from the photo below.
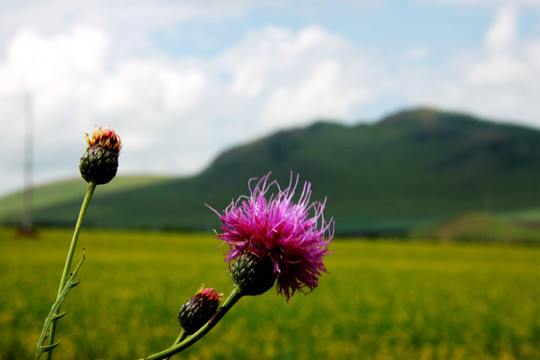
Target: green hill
(409, 169)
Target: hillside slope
(411, 168)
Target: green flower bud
(253, 276)
(99, 162)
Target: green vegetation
(408, 170)
(381, 300)
(481, 227)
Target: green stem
(179, 339)
(69, 258)
(234, 296)
(54, 313)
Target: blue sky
(183, 80)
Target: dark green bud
(99, 162)
(199, 309)
(252, 275)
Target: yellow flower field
(380, 300)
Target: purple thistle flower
(293, 235)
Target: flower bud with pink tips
(99, 162)
(199, 309)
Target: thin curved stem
(179, 339)
(69, 257)
(234, 296)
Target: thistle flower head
(294, 235)
(99, 162)
(199, 309)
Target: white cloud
(322, 93)
(500, 65)
(296, 77)
(503, 33)
(533, 53)
(183, 89)
(533, 3)
(34, 61)
(138, 86)
(499, 69)
(417, 53)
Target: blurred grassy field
(381, 300)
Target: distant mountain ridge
(411, 168)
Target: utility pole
(27, 228)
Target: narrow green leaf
(53, 313)
(59, 316)
(47, 348)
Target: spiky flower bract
(294, 235)
(99, 162)
(251, 275)
(199, 309)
